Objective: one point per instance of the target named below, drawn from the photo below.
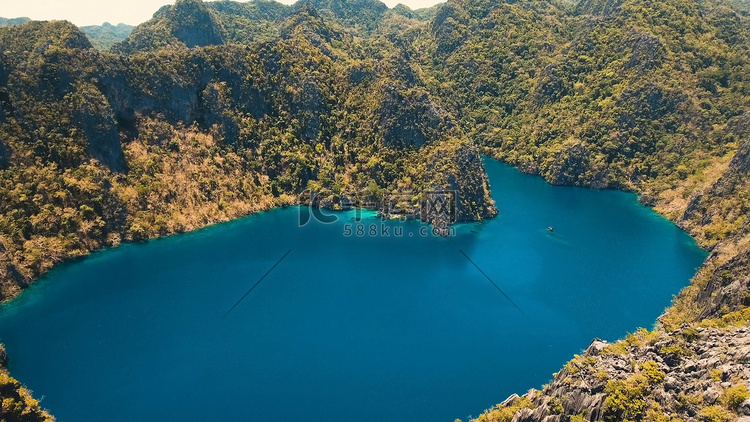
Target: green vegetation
(555, 406)
(106, 35)
(625, 398)
(652, 372)
(16, 403)
(732, 319)
(578, 418)
(619, 348)
(12, 21)
(733, 397)
(505, 413)
(715, 414)
(100, 148)
(642, 337)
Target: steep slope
(100, 148)
(213, 23)
(686, 374)
(187, 23)
(639, 95)
(609, 95)
(365, 14)
(252, 21)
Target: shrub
(733, 397)
(690, 334)
(642, 337)
(651, 370)
(625, 398)
(578, 418)
(619, 348)
(505, 414)
(555, 406)
(656, 415)
(601, 375)
(714, 414)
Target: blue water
(367, 328)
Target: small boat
(550, 229)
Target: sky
(132, 12)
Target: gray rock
(711, 395)
(745, 407)
(671, 383)
(509, 401)
(596, 347)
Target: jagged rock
(94, 118)
(671, 383)
(692, 377)
(509, 401)
(742, 355)
(745, 407)
(726, 288)
(524, 415)
(741, 161)
(194, 24)
(711, 395)
(188, 23)
(396, 117)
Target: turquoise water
(367, 328)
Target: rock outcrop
(694, 373)
(188, 23)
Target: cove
(366, 328)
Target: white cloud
(95, 12)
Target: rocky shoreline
(694, 373)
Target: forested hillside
(99, 148)
(645, 96)
(214, 110)
(12, 21)
(106, 35)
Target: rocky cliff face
(188, 23)
(396, 116)
(693, 373)
(727, 288)
(194, 25)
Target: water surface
(367, 328)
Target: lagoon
(345, 327)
